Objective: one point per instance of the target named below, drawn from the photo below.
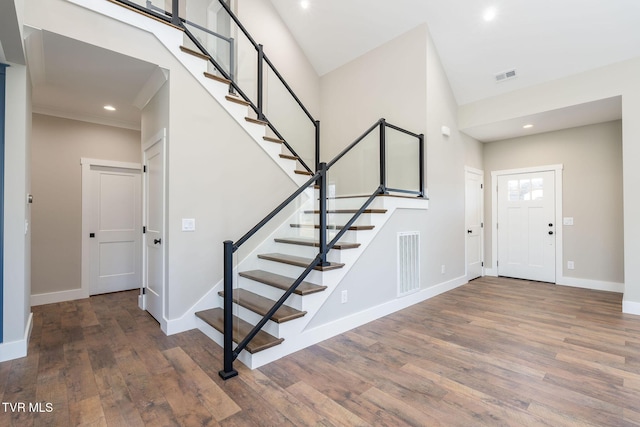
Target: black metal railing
(264, 65)
(319, 179)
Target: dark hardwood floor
(492, 352)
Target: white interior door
(474, 206)
(526, 226)
(115, 232)
(154, 221)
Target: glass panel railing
(284, 113)
(211, 25)
(238, 57)
(402, 165)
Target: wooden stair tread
(217, 78)
(313, 242)
(194, 53)
(299, 172)
(262, 341)
(256, 121)
(261, 305)
(281, 282)
(237, 100)
(335, 227)
(298, 261)
(288, 156)
(272, 139)
(348, 211)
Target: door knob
(550, 225)
(157, 241)
(551, 232)
(469, 231)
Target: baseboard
(61, 296)
(323, 332)
(597, 285)
(17, 349)
(188, 320)
(630, 307)
(490, 272)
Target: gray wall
(57, 146)
(592, 192)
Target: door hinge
(497, 263)
(481, 186)
(144, 168)
(144, 229)
(482, 225)
(144, 291)
(482, 264)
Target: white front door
(526, 226)
(474, 203)
(115, 231)
(154, 222)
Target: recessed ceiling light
(304, 4)
(109, 108)
(529, 126)
(490, 14)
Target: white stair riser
(298, 302)
(270, 292)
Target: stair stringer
(172, 38)
(295, 333)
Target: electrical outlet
(345, 297)
(570, 265)
(442, 269)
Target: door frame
(557, 169)
(2, 114)
(469, 169)
(158, 138)
(87, 163)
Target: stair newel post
(317, 125)
(175, 12)
(228, 371)
(383, 155)
(260, 81)
(421, 164)
(322, 182)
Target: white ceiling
(76, 80)
(543, 40)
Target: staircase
(269, 299)
(265, 275)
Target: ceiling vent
(506, 75)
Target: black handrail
(320, 177)
(175, 20)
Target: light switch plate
(567, 220)
(188, 224)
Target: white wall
(592, 193)
(404, 82)
(57, 146)
(620, 79)
(17, 233)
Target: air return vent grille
(408, 262)
(506, 75)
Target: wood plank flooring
(492, 352)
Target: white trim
(557, 169)
(597, 285)
(630, 307)
(159, 138)
(61, 296)
(469, 169)
(85, 263)
(15, 349)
